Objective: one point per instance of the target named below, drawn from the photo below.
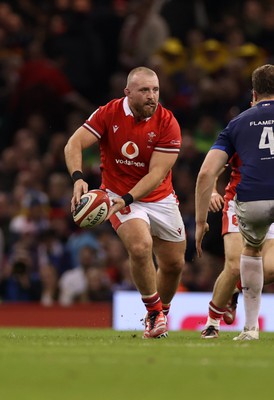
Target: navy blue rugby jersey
(251, 135)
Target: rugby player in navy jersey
(251, 135)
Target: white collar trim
(127, 109)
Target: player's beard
(146, 110)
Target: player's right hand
(216, 202)
(80, 187)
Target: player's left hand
(117, 205)
(216, 202)
(201, 230)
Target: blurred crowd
(60, 60)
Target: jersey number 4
(267, 139)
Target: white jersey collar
(127, 110)
(126, 107)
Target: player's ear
(126, 91)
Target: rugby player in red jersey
(139, 143)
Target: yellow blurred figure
(172, 56)
(252, 57)
(211, 56)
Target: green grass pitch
(80, 364)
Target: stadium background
(60, 60)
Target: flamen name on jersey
(257, 123)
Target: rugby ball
(92, 209)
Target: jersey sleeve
(95, 123)
(170, 139)
(223, 141)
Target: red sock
(239, 285)
(215, 312)
(153, 302)
(166, 308)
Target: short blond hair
(137, 70)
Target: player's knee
(140, 249)
(233, 265)
(173, 266)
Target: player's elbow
(203, 174)
(205, 177)
(71, 146)
(67, 149)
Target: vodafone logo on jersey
(130, 150)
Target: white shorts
(255, 219)
(230, 221)
(163, 217)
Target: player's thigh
(136, 236)
(169, 255)
(233, 245)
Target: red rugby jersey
(126, 146)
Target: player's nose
(151, 94)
